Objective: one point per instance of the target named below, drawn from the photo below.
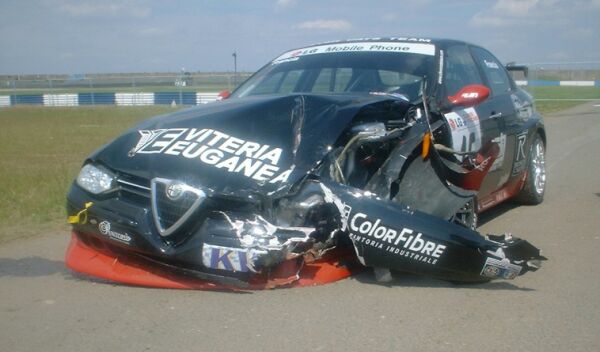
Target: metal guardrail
(99, 83)
(541, 83)
(121, 99)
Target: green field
(41, 151)
(569, 94)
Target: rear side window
(459, 69)
(493, 70)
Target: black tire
(535, 182)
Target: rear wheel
(535, 182)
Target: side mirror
(223, 95)
(470, 95)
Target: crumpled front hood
(256, 145)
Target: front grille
(172, 210)
(134, 190)
(166, 211)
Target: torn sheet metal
(275, 198)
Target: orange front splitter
(136, 271)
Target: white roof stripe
(399, 47)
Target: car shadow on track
(30, 267)
(497, 211)
(402, 279)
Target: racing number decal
(465, 129)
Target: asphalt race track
(44, 307)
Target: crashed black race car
(372, 152)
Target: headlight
(95, 179)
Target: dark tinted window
(345, 72)
(493, 70)
(459, 69)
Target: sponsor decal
(345, 216)
(383, 46)
(403, 242)
(105, 228)
(441, 68)
(407, 39)
(495, 268)
(465, 130)
(484, 164)
(225, 258)
(215, 148)
(491, 64)
(520, 155)
(379, 39)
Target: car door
(499, 107)
(472, 127)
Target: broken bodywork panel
(233, 192)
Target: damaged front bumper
(233, 249)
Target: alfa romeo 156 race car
(362, 153)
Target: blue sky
(88, 36)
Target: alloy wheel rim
(539, 167)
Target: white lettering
(389, 236)
(402, 236)
(229, 164)
(248, 148)
(265, 172)
(273, 155)
(190, 153)
(248, 166)
(438, 251)
(353, 222)
(429, 246)
(217, 137)
(417, 244)
(416, 247)
(177, 147)
(379, 232)
(282, 177)
(194, 133)
(231, 145)
(255, 160)
(211, 156)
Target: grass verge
(41, 151)
(562, 97)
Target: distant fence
(121, 99)
(124, 82)
(542, 83)
(564, 71)
(193, 88)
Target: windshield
(360, 67)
